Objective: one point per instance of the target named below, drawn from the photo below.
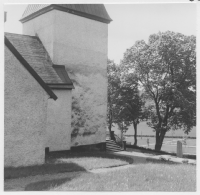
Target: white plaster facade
(25, 115)
(43, 27)
(58, 129)
(81, 45)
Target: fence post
(124, 145)
(179, 152)
(112, 136)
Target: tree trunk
(157, 145)
(122, 134)
(159, 139)
(135, 135)
(110, 128)
(162, 136)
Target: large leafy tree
(166, 69)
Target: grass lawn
(93, 163)
(141, 177)
(169, 144)
(68, 163)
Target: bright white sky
(131, 22)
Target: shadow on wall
(79, 118)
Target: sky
(131, 22)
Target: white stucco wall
(25, 115)
(81, 45)
(43, 26)
(58, 135)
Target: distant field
(143, 129)
(169, 143)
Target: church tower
(76, 36)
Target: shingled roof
(32, 50)
(91, 11)
(29, 68)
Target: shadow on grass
(47, 168)
(157, 161)
(53, 157)
(51, 167)
(46, 185)
(50, 184)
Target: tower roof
(92, 11)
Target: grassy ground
(68, 163)
(140, 177)
(75, 172)
(93, 163)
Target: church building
(55, 81)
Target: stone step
(110, 141)
(111, 146)
(112, 150)
(114, 143)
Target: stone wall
(25, 115)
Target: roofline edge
(57, 7)
(61, 86)
(29, 68)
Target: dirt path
(103, 170)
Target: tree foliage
(166, 69)
(131, 100)
(124, 100)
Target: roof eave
(67, 78)
(37, 13)
(61, 86)
(57, 7)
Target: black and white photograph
(100, 96)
